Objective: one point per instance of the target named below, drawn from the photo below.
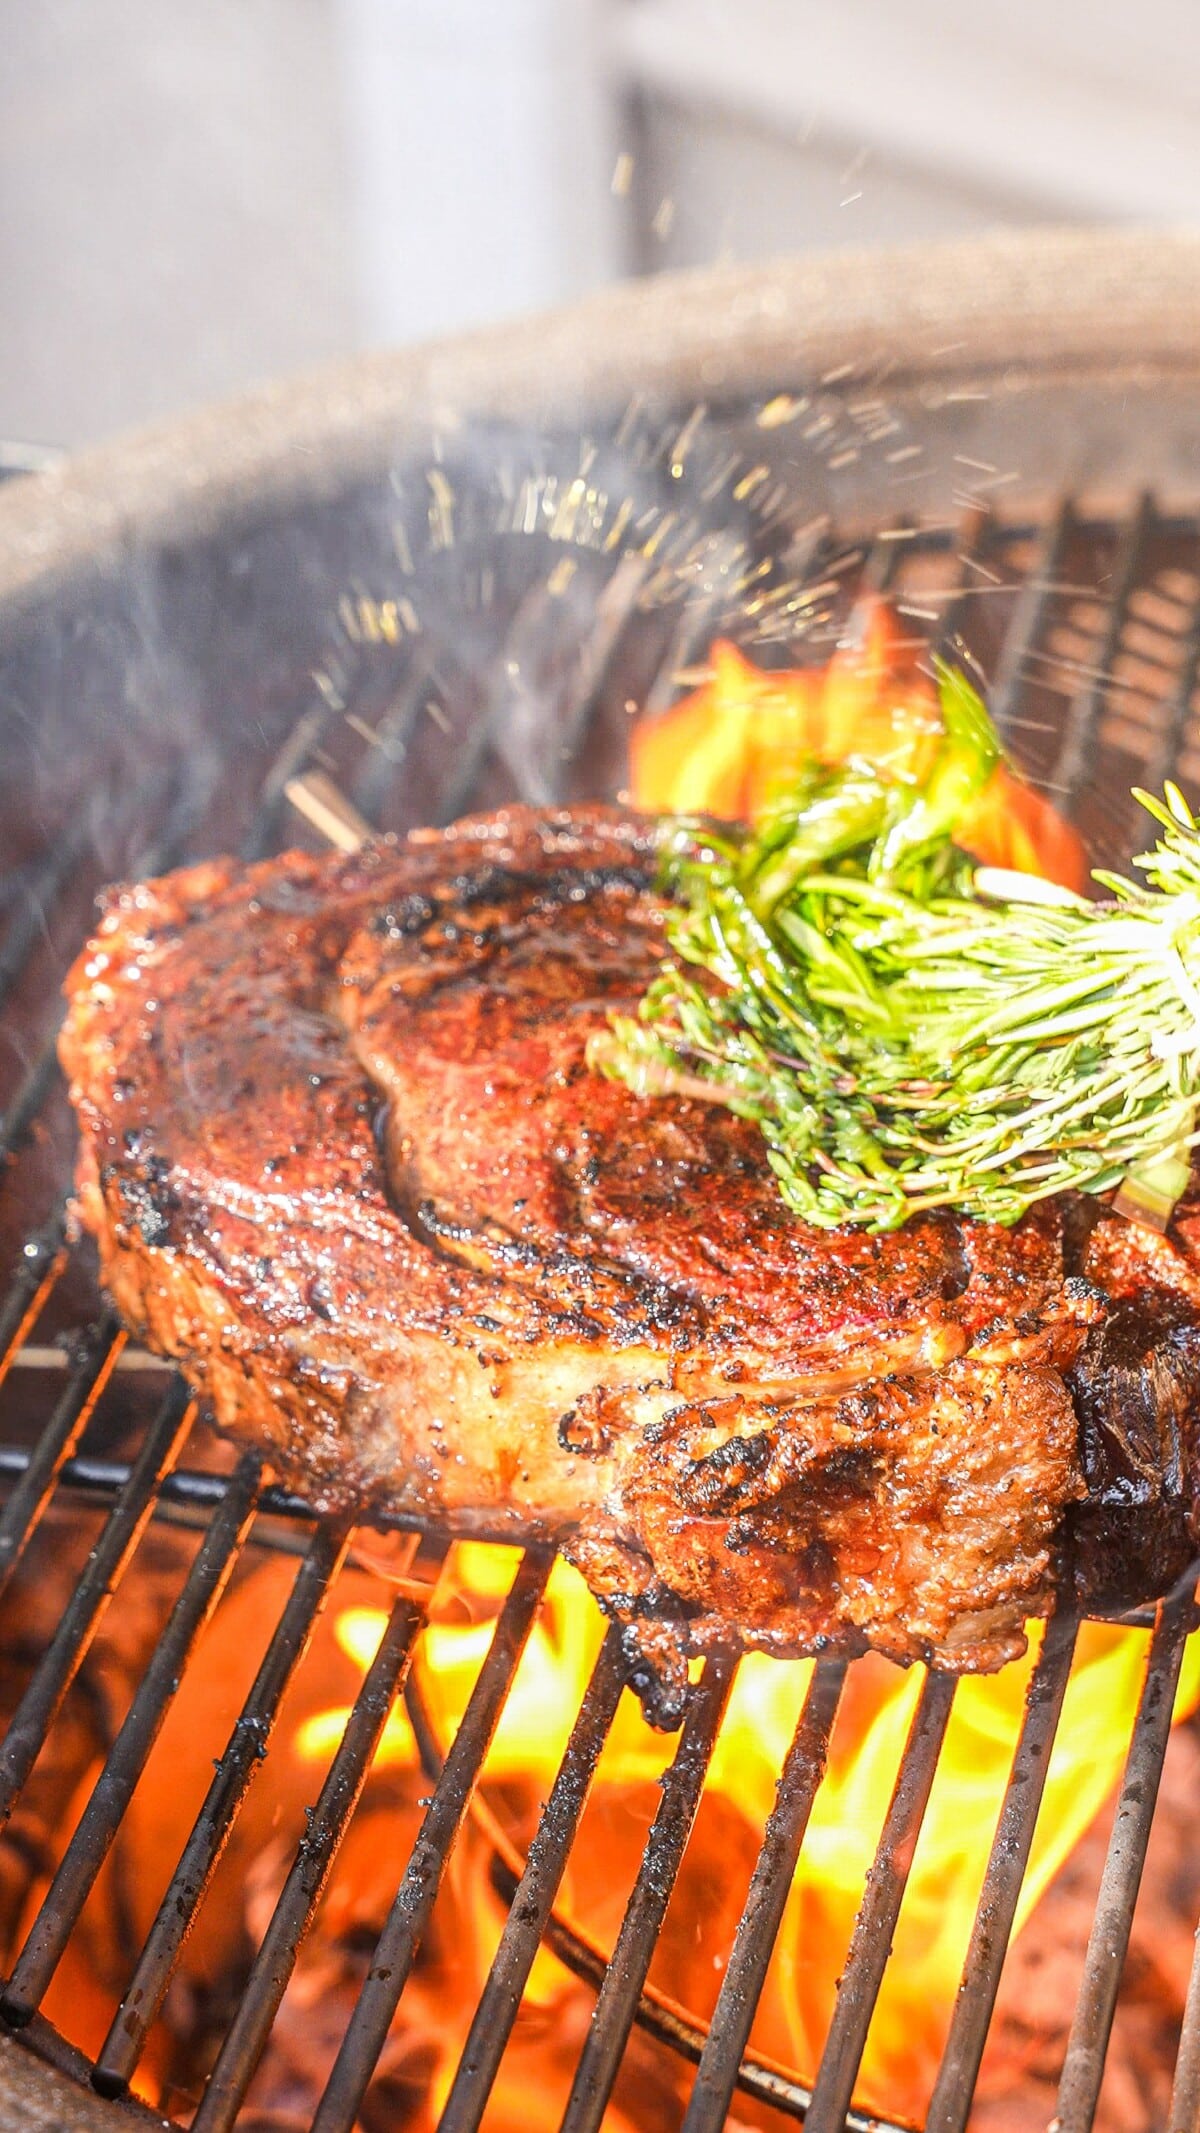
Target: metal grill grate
(1095, 689)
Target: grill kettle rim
(1060, 305)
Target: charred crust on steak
(343, 1158)
(144, 1196)
(1136, 1389)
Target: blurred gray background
(194, 197)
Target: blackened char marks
(854, 1509)
(1136, 1389)
(145, 1197)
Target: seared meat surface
(344, 1158)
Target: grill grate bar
(384, 759)
(1083, 2068)
(1177, 709)
(38, 1269)
(504, 690)
(617, 2005)
(102, 1573)
(396, 1948)
(881, 566)
(101, 1818)
(770, 1883)
(530, 1910)
(950, 2104)
(1070, 773)
(886, 1883)
(28, 924)
(974, 546)
(693, 632)
(196, 1489)
(32, 1092)
(1027, 624)
(301, 1893)
(1184, 2115)
(615, 603)
(247, 1746)
(23, 1512)
(293, 758)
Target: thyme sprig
(912, 1031)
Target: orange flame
(731, 744)
(913, 2011)
(723, 750)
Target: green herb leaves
(910, 1031)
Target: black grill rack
(1090, 627)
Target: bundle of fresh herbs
(912, 1031)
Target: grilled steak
(344, 1158)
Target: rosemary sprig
(911, 1031)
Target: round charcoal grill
(427, 583)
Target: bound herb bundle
(912, 1031)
